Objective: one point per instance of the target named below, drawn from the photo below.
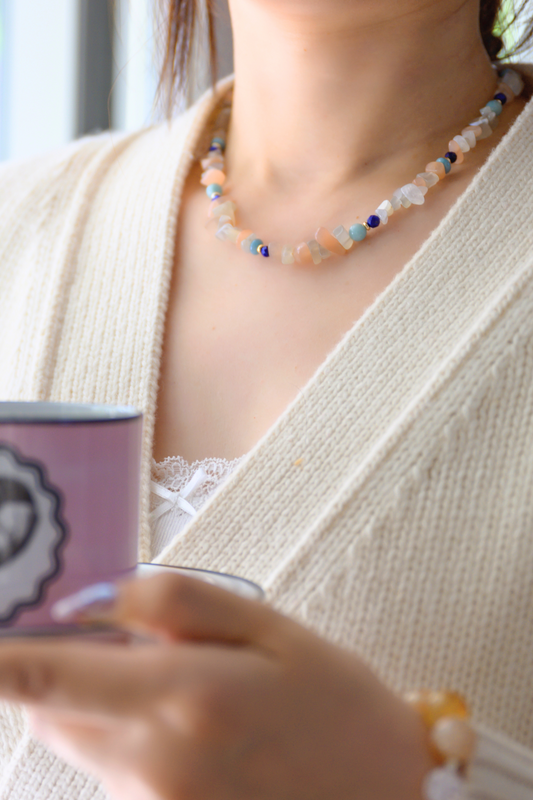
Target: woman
(384, 399)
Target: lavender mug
(69, 505)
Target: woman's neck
(327, 93)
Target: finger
(99, 679)
(179, 607)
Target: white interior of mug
(38, 412)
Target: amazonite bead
(341, 235)
(446, 164)
(358, 232)
(245, 244)
(255, 244)
(213, 188)
(314, 247)
(496, 106)
(287, 254)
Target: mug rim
(24, 412)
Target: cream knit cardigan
(390, 507)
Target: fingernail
(92, 602)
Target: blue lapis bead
(264, 251)
(215, 147)
(357, 232)
(373, 221)
(501, 97)
(446, 164)
(216, 140)
(495, 106)
(255, 245)
(451, 156)
(212, 189)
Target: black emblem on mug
(32, 533)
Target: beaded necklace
(222, 208)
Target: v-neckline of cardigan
(286, 454)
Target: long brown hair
(182, 17)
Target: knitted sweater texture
(390, 507)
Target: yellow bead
(434, 704)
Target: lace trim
(174, 473)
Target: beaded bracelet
(452, 740)
(324, 244)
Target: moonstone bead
(323, 252)
(212, 162)
(476, 130)
(513, 80)
(287, 254)
(245, 243)
(454, 738)
(429, 178)
(413, 194)
(470, 137)
(443, 784)
(303, 254)
(398, 195)
(395, 200)
(483, 123)
(314, 249)
(341, 234)
(227, 208)
(382, 214)
(242, 236)
(227, 233)
(329, 242)
(454, 147)
(275, 249)
(487, 112)
(506, 90)
(386, 206)
(461, 141)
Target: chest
(244, 334)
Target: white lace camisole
(179, 490)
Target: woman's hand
(228, 701)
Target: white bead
(227, 233)
(443, 784)
(384, 211)
(494, 121)
(513, 80)
(429, 178)
(470, 137)
(483, 123)
(382, 214)
(226, 209)
(413, 194)
(487, 112)
(398, 195)
(314, 247)
(463, 144)
(245, 244)
(275, 250)
(287, 254)
(323, 252)
(341, 235)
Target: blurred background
(70, 67)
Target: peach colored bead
(328, 241)
(213, 176)
(437, 167)
(476, 130)
(303, 254)
(454, 738)
(433, 704)
(242, 235)
(419, 182)
(454, 147)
